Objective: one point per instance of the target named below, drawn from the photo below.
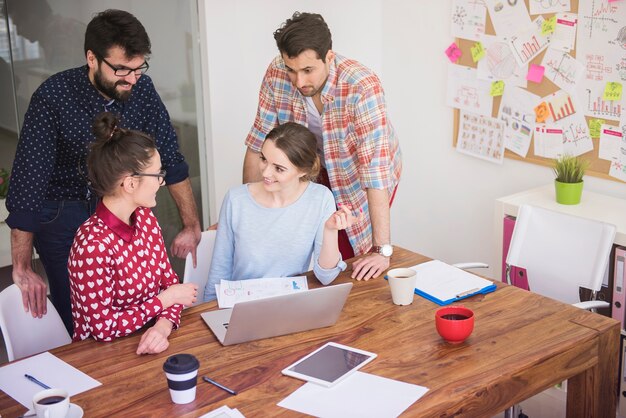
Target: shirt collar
(328, 91)
(114, 223)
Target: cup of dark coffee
(181, 371)
(52, 403)
(454, 323)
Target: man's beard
(108, 88)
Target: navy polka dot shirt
(56, 134)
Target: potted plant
(569, 172)
(4, 189)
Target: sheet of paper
(497, 88)
(562, 69)
(499, 63)
(595, 105)
(538, 7)
(529, 42)
(561, 105)
(223, 412)
(478, 52)
(548, 26)
(235, 291)
(446, 282)
(360, 395)
(46, 368)
(466, 92)
(595, 127)
(618, 165)
(610, 142)
(481, 137)
(564, 36)
(576, 138)
(468, 19)
(612, 91)
(508, 17)
(516, 111)
(601, 46)
(548, 141)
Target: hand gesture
(187, 242)
(34, 291)
(154, 340)
(342, 218)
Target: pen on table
(32, 379)
(213, 382)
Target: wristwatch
(385, 250)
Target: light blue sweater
(254, 241)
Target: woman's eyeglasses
(160, 176)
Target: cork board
(598, 167)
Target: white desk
(592, 206)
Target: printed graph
(561, 107)
(599, 107)
(530, 48)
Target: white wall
(445, 202)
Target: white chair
(24, 335)
(561, 253)
(200, 274)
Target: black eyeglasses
(160, 176)
(123, 71)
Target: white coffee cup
(181, 371)
(402, 284)
(52, 403)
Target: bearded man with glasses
(48, 197)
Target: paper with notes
(230, 292)
(444, 284)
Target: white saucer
(75, 411)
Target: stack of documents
(444, 284)
(230, 292)
(224, 412)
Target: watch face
(386, 250)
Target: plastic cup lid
(181, 363)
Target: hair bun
(105, 125)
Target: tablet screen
(330, 363)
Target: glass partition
(41, 37)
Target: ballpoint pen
(213, 382)
(32, 379)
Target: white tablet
(329, 364)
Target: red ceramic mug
(454, 323)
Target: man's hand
(154, 340)
(34, 291)
(370, 266)
(187, 242)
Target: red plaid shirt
(361, 148)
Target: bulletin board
(597, 167)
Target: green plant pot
(568, 193)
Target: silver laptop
(278, 315)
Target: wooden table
(522, 344)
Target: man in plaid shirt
(343, 104)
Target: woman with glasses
(120, 276)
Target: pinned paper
(594, 128)
(535, 73)
(548, 25)
(613, 91)
(478, 52)
(542, 112)
(497, 88)
(453, 52)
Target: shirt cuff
(326, 276)
(24, 221)
(176, 173)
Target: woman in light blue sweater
(271, 228)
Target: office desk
(522, 344)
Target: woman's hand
(342, 219)
(154, 340)
(182, 294)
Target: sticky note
(595, 126)
(478, 52)
(535, 73)
(497, 88)
(612, 91)
(542, 112)
(548, 26)
(453, 52)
